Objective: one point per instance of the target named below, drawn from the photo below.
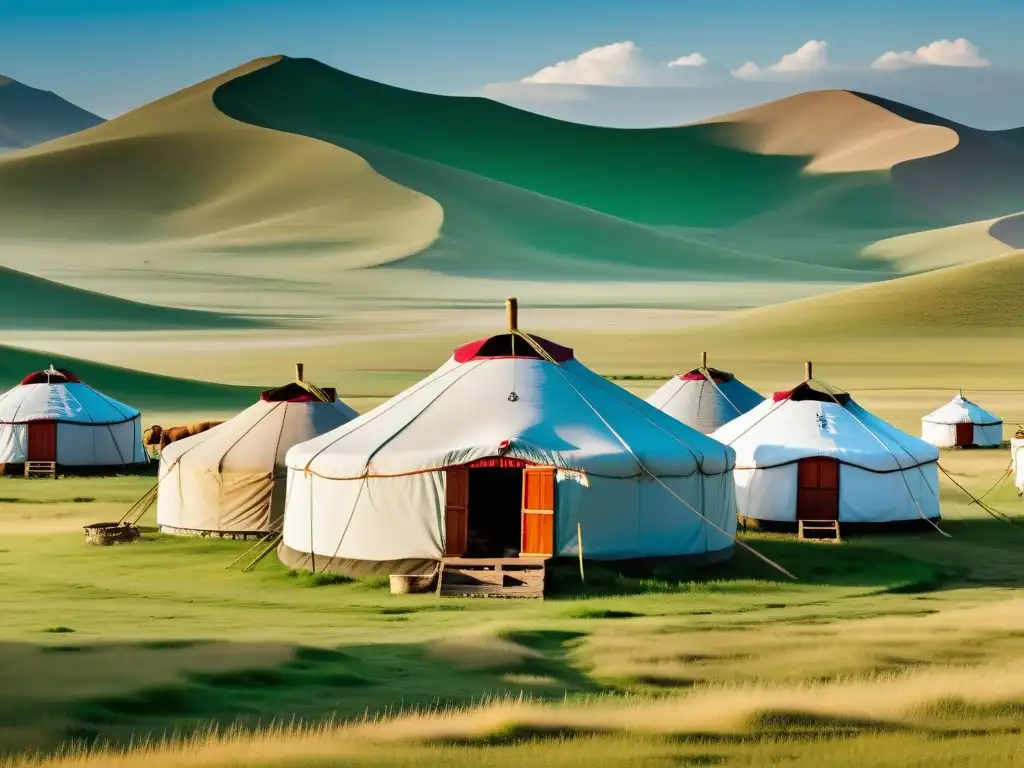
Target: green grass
(109, 644)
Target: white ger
(53, 416)
(705, 398)
(961, 423)
(813, 453)
(230, 480)
(508, 449)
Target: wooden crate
(492, 577)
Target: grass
(886, 642)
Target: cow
(160, 437)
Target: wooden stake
(512, 313)
(579, 547)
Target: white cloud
(615, 64)
(943, 53)
(694, 59)
(749, 71)
(812, 56)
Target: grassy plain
(886, 646)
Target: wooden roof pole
(808, 371)
(703, 359)
(512, 313)
(298, 372)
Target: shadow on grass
(978, 552)
(317, 685)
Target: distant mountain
(29, 116)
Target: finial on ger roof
(512, 313)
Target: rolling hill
(29, 302)
(289, 156)
(285, 188)
(981, 296)
(144, 391)
(30, 116)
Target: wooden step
(819, 530)
(491, 577)
(41, 469)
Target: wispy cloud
(812, 56)
(943, 53)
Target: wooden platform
(819, 530)
(41, 469)
(521, 577)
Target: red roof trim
(717, 376)
(471, 351)
(498, 462)
(804, 392)
(42, 377)
(293, 393)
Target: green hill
(29, 302)
(144, 391)
(670, 178)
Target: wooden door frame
(526, 511)
(818, 460)
(51, 425)
(455, 475)
(965, 426)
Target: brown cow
(158, 436)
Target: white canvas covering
(940, 426)
(1017, 462)
(705, 399)
(93, 430)
(374, 490)
(232, 478)
(885, 475)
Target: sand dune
(839, 131)
(1009, 230)
(295, 191)
(179, 170)
(944, 247)
(981, 178)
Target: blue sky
(110, 55)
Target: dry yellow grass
(983, 296)
(892, 701)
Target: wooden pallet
(521, 577)
(41, 469)
(819, 530)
